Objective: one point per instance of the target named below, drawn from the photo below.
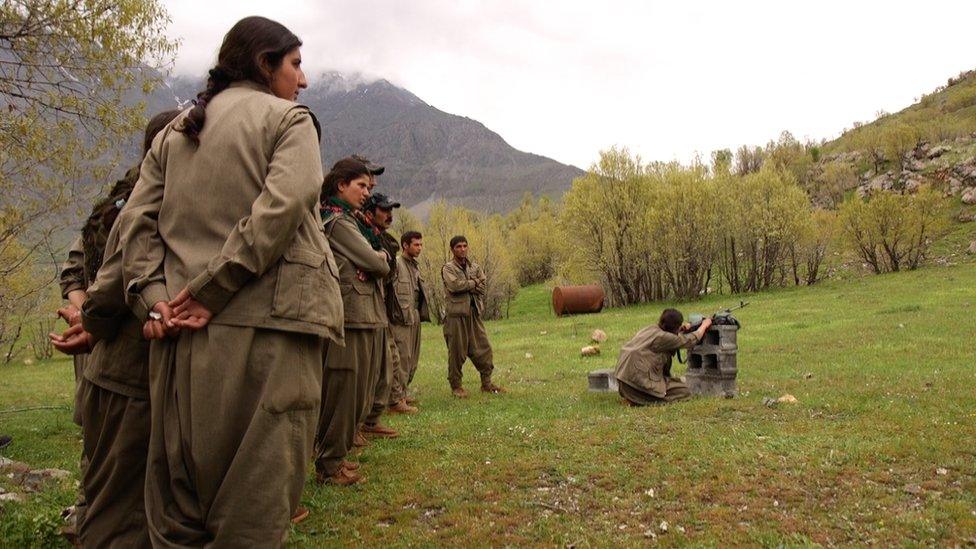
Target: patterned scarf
(336, 205)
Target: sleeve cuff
(211, 295)
(70, 287)
(144, 301)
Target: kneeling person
(644, 369)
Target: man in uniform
(464, 331)
(411, 296)
(378, 212)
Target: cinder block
(602, 381)
(712, 367)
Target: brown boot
(350, 465)
(491, 388)
(378, 431)
(342, 477)
(359, 440)
(411, 400)
(300, 514)
(459, 392)
(401, 407)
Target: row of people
(244, 315)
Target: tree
(68, 70)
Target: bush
(892, 232)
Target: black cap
(379, 200)
(373, 168)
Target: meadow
(877, 449)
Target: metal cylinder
(574, 300)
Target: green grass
(882, 368)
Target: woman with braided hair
(225, 260)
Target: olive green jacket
(646, 358)
(235, 219)
(119, 361)
(410, 293)
(462, 284)
(361, 273)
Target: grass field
(879, 448)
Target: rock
(972, 248)
(770, 402)
(912, 185)
(954, 186)
(9, 466)
(12, 496)
(787, 399)
(663, 526)
(942, 471)
(966, 217)
(969, 196)
(913, 489)
(590, 350)
(598, 336)
(528, 355)
(938, 151)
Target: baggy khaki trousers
(234, 412)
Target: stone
(969, 196)
(938, 151)
(954, 186)
(912, 185)
(972, 248)
(12, 496)
(787, 399)
(602, 381)
(966, 217)
(598, 336)
(590, 350)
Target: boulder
(912, 185)
(938, 151)
(969, 196)
(955, 186)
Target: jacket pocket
(307, 287)
(459, 304)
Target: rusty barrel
(574, 300)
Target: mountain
(429, 154)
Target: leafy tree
(67, 69)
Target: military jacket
(72, 275)
(235, 218)
(461, 282)
(647, 356)
(411, 296)
(361, 273)
(119, 361)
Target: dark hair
(409, 236)
(671, 320)
(156, 125)
(457, 240)
(252, 49)
(343, 171)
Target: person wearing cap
(464, 331)
(411, 296)
(378, 213)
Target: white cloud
(566, 79)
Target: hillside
(429, 154)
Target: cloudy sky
(667, 79)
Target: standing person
(464, 331)
(351, 370)
(411, 296)
(644, 369)
(224, 254)
(378, 212)
(114, 389)
(78, 274)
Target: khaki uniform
(234, 405)
(644, 367)
(115, 418)
(351, 371)
(391, 362)
(464, 331)
(411, 297)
